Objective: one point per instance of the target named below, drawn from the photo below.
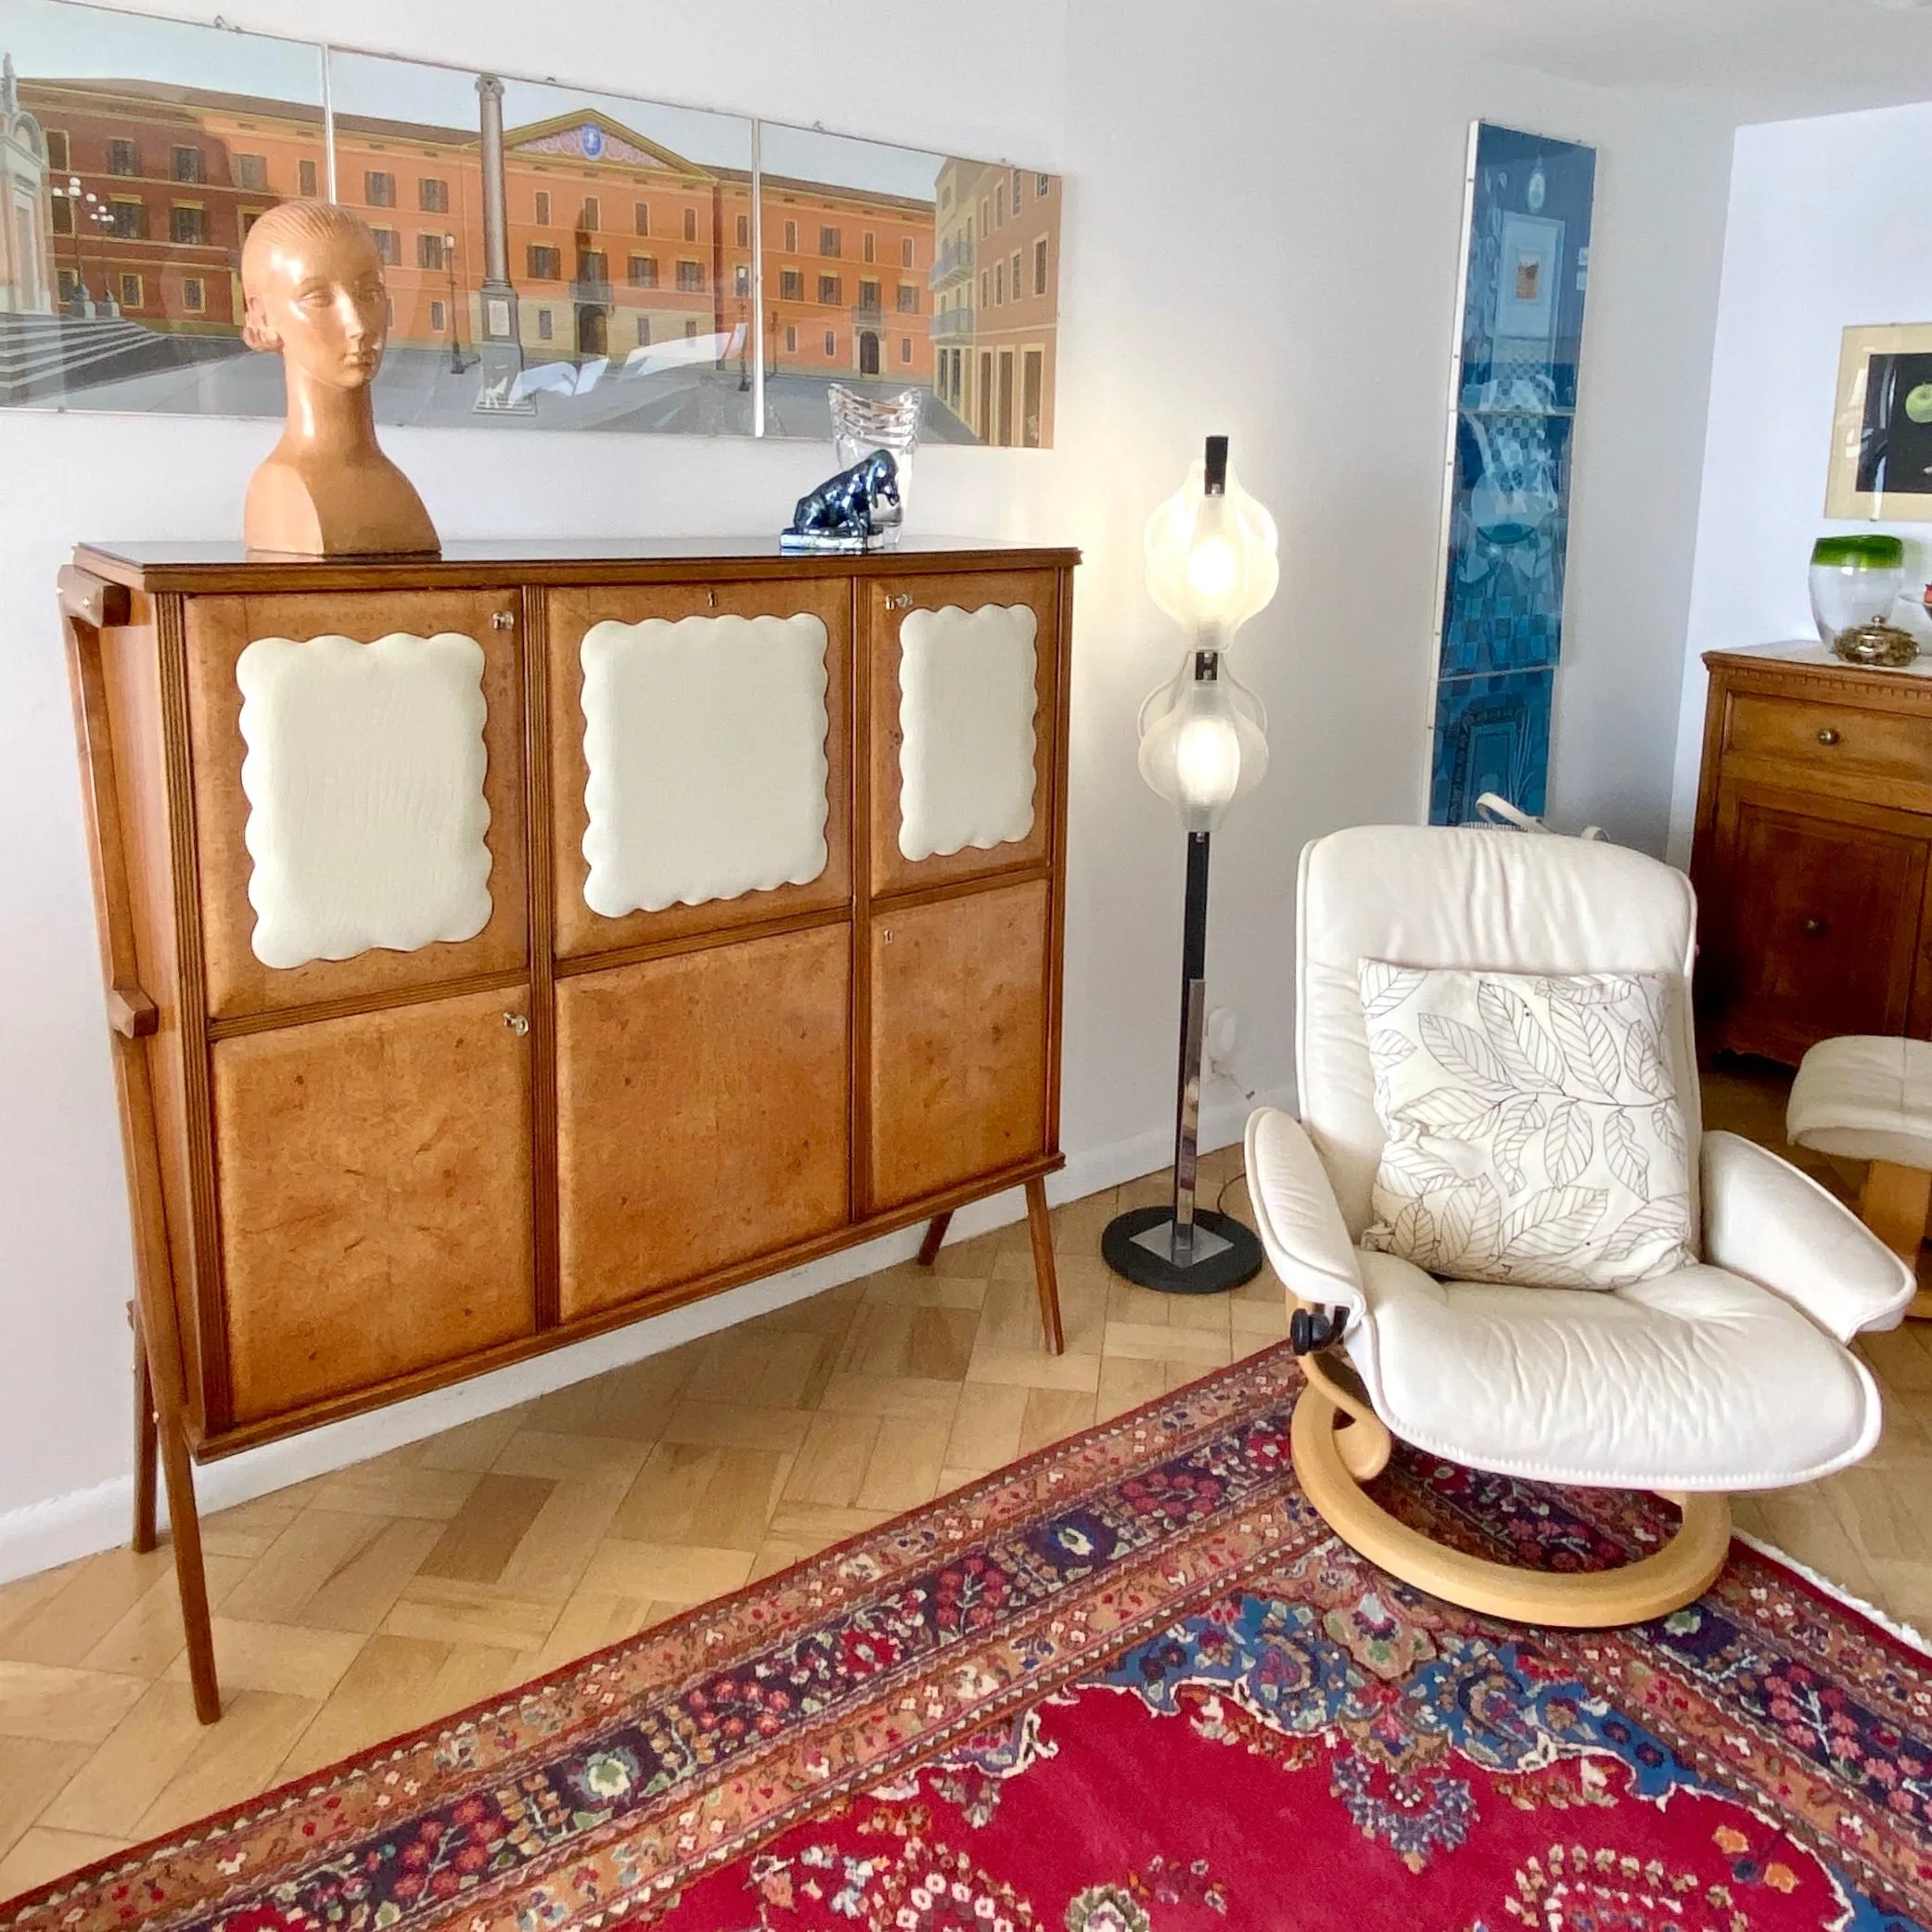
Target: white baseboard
(83, 1521)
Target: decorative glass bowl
(862, 424)
(1854, 580)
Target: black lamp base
(1138, 1244)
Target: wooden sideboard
(504, 948)
(1814, 828)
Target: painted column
(498, 336)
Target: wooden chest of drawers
(1814, 827)
(504, 948)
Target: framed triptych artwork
(1506, 511)
(556, 256)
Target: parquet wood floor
(376, 1599)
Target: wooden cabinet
(1814, 827)
(505, 947)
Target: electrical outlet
(1223, 1029)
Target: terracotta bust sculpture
(313, 285)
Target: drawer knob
(518, 1023)
(904, 601)
(1815, 928)
(501, 621)
(1829, 735)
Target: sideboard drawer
(1838, 738)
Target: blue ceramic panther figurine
(851, 508)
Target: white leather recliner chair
(1730, 1373)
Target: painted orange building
(845, 282)
(616, 242)
(996, 287)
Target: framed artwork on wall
(1506, 489)
(557, 257)
(1881, 456)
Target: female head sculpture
(312, 282)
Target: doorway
(1031, 382)
(868, 353)
(1005, 436)
(592, 330)
(983, 401)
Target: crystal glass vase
(862, 424)
(1854, 580)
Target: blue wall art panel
(1493, 734)
(1527, 272)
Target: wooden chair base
(1892, 1204)
(1332, 1468)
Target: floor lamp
(1203, 743)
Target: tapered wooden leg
(143, 1441)
(190, 1578)
(1893, 1206)
(935, 1233)
(1040, 1225)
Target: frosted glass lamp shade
(1210, 553)
(1204, 744)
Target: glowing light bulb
(1212, 568)
(1207, 762)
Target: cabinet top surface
(1815, 658)
(498, 561)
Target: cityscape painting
(1525, 278)
(556, 257)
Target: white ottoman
(1869, 1097)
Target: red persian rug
(1129, 1685)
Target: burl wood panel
(1817, 925)
(375, 1180)
(702, 1112)
(957, 1082)
(885, 603)
(570, 613)
(219, 629)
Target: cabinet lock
(904, 601)
(501, 621)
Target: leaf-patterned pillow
(1534, 1134)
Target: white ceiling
(1771, 57)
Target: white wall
(1262, 238)
(1829, 226)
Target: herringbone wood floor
(371, 1601)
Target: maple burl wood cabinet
(1814, 828)
(505, 947)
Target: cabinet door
(964, 672)
(703, 1110)
(374, 1181)
(1817, 924)
(360, 828)
(958, 1047)
(723, 778)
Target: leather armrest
(1775, 1225)
(1297, 1217)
